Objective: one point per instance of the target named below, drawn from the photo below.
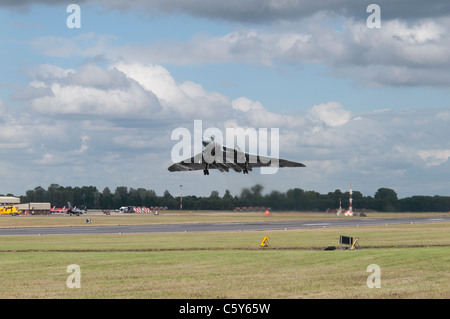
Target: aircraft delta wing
(215, 156)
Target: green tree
(386, 200)
(107, 199)
(228, 200)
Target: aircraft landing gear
(205, 172)
(245, 169)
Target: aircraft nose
(206, 142)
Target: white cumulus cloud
(89, 91)
(434, 157)
(331, 113)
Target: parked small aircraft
(75, 210)
(59, 210)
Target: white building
(9, 200)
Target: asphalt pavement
(91, 229)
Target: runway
(217, 227)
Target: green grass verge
(231, 264)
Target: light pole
(181, 198)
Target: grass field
(414, 261)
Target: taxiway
(91, 229)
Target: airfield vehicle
(9, 210)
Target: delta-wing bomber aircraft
(216, 156)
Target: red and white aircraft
(59, 210)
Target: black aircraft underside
(231, 159)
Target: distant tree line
(296, 199)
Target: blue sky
(96, 105)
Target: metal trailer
(34, 208)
